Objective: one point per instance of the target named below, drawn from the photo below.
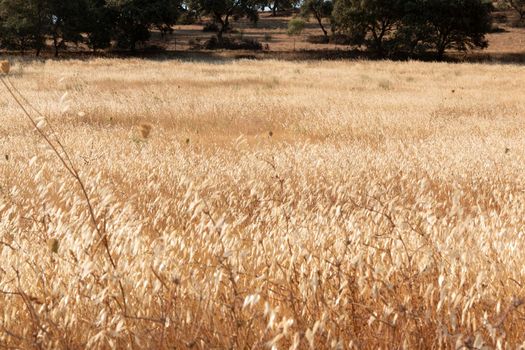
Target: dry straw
(380, 219)
(5, 67)
(145, 130)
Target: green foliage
(223, 11)
(457, 24)
(136, 17)
(67, 22)
(414, 26)
(100, 24)
(295, 26)
(368, 22)
(386, 27)
(516, 5)
(27, 24)
(281, 5)
(24, 24)
(319, 9)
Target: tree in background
(223, 11)
(24, 24)
(386, 27)
(319, 9)
(295, 28)
(518, 6)
(99, 24)
(281, 5)
(412, 34)
(408, 26)
(457, 24)
(368, 22)
(67, 22)
(136, 17)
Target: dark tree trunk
(443, 42)
(441, 47)
(223, 25)
(378, 42)
(320, 21)
(441, 52)
(56, 44)
(40, 31)
(220, 33)
(274, 8)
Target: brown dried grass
(5, 67)
(321, 211)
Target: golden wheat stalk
(61, 153)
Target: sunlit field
(263, 205)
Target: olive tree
(223, 12)
(319, 9)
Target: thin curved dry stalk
(66, 161)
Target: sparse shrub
(145, 130)
(210, 27)
(385, 84)
(500, 18)
(317, 39)
(518, 6)
(229, 43)
(194, 43)
(153, 49)
(295, 28)
(223, 12)
(342, 39)
(187, 18)
(497, 29)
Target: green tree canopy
(319, 9)
(135, 18)
(369, 22)
(456, 24)
(281, 5)
(24, 24)
(223, 11)
(390, 26)
(67, 22)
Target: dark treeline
(385, 27)
(32, 24)
(414, 27)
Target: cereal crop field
(262, 205)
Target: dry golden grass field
(263, 205)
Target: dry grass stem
(313, 208)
